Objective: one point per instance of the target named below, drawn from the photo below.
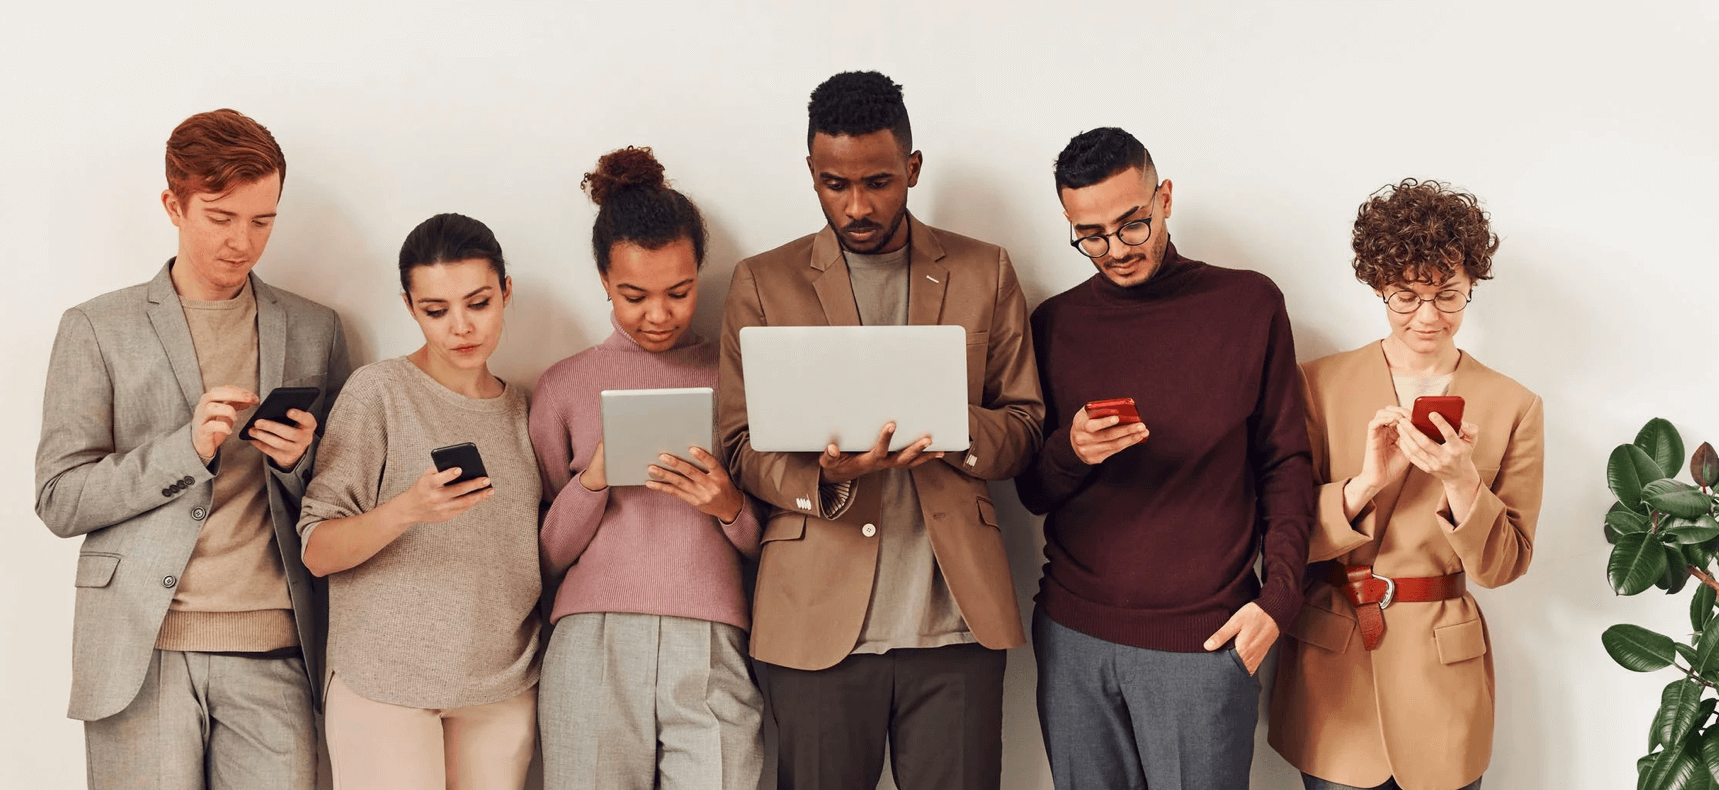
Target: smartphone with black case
(281, 400)
(463, 455)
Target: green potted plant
(1663, 533)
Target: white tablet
(808, 386)
(639, 425)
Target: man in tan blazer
(197, 629)
(884, 602)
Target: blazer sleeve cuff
(1334, 535)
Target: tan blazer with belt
(1420, 707)
(815, 575)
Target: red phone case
(1448, 406)
(1120, 407)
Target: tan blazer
(815, 575)
(1419, 707)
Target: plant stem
(1704, 577)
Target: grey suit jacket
(116, 465)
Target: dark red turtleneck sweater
(1155, 547)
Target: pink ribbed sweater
(631, 549)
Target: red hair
(212, 152)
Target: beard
(883, 238)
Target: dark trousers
(1126, 718)
(940, 710)
(1312, 782)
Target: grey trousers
(209, 720)
(642, 701)
(1312, 782)
(1118, 717)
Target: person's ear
(406, 299)
(914, 161)
(608, 293)
(507, 292)
(1164, 189)
(175, 211)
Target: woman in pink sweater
(646, 671)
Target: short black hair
(857, 103)
(449, 238)
(1096, 155)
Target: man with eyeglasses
(1151, 620)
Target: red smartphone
(1447, 406)
(1117, 407)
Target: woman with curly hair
(646, 682)
(1387, 680)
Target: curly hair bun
(626, 168)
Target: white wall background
(1589, 129)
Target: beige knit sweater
(446, 615)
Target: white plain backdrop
(1588, 129)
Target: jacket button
(197, 513)
(868, 530)
(167, 492)
(186, 480)
(169, 581)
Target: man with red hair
(197, 643)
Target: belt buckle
(1390, 591)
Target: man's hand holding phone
(840, 467)
(1104, 428)
(213, 419)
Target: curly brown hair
(1420, 232)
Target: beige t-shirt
(232, 595)
(446, 615)
(911, 605)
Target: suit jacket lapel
(168, 318)
(271, 337)
(835, 290)
(927, 277)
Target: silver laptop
(808, 386)
(640, 425)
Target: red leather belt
(1371, 594)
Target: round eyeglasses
(1449, 300)
(1133, 234)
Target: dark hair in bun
(635, 204)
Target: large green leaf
(1678, 705)
(1676, 569)
(1672, 769)
(1628, 469)
(1701, 607)
(1699, 529)
(1710, 752)
(1637, 561)
(1638, 649)
(1686, 652)
(1706, 651)
(1624, 521)
(1704, 466)
(1676, 498)
(1660, 440)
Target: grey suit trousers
(209, 720)
(637, 701)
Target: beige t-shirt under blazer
(446, 615)
(232, 595)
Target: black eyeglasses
(1132, 234)
(1449, 300)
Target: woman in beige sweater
(433, 584)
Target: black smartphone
(463, 455)
(280, 401)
